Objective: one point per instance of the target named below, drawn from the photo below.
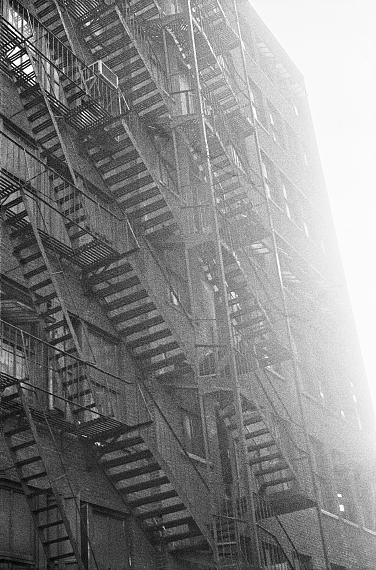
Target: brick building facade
(181, 384)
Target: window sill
(330, 411)
(199, 459)
(275, 374)
(348, 522)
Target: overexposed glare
(333, 42)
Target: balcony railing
(140, 35)
(166, 446)
(286, 431)
(44, 371)
(187, 105)
(60, 208)
(37, 56)
(62, 381)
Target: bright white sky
(333, 42)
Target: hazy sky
(333, 42)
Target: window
(322, 473)
(343, 486)
(107, 389)
(276, 127)
(257, 102)
(110, 538)
(303, 561)
(270, 176)
(193, 435)
(12, 361)
(366, 497)
(49, 74)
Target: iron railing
(36, 54)
(60, 378)
(61, 209)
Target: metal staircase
(278, 464)
(52, 81)
(160, 483)
(49, 219)
(45, 484)
(136, 175)
(28, 237)
(141, 476)
(117, 35)
(136, 316)
(143, 458)
(252, 328)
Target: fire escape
(52, 218)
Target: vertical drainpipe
(297, 377)
(223, 295)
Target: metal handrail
(71, 356)
(65, 180)
(40, 41)
(109, 223)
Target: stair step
(177, 360)
(280, 481)
(50, 297)
(281, 466)
(133, 313)
(182, 535)
(23, 232)
(45, 509)
(15, 218)
(147, 339)
(121, 444)
(87, 408)
(29, 258)
(28, 461)
(145, 485)
(23, 445)
(9, 398)
(126, 300)
(61, 556)
(163, 510)
(257, 433)
(263, 458)
(260, 445)
(175, 522)
(50, 524)
(158, 497)
(40, 491)
(120, 286)
(254, 419)
(160, 349)
(51, 311)
(131, 473)
(56, 540)
(109, 274)
(45, 283)
(143, 325)
(13, 203)
(86, 392)
(61, 339)
(34, 272)
(34, 476)
(15, 431)
(126, 459)
(55, 325)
